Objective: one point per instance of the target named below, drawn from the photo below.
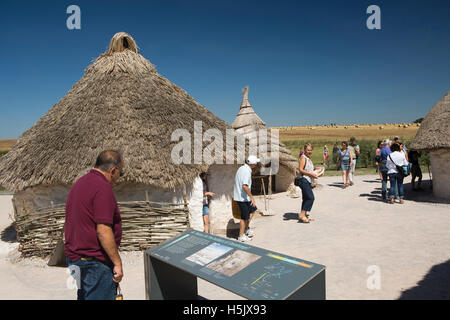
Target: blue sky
(306, 63)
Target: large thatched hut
(249, 124)
(121, 102)
(434, 136)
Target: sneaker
(249, 233)
(244, 238)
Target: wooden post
(186, 209)
(264, 189)
(270, 184)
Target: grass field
(294, 138)
(367, 137)
(6, 145)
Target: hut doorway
(261, 185)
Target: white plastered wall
(221, 182)
(440, 167)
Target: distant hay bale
(380, 127)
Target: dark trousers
(307, 195)
(94, 279)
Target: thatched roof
(248, 123)
(122, 103)
(247, 119)
(434, 131)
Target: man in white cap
(243, 196)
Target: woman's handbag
(297, 181)
(403, 170)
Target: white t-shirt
(309, 167)
(398, 159)
(243, 176)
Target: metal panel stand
(166, 282)
(312, 290)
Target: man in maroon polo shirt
(93, 230)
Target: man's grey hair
(387, 142)
(108, 159)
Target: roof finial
(122, 41)
(245, 102)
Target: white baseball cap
(253, 160)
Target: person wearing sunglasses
(93, 229)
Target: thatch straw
(434, 131)
(248, 122)
(122, 103)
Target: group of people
(394, 162)
(93, 227)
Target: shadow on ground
(425, 195)
(290, 216)
(336, 185)
(9, 234)
(232, 229)
(435, 285)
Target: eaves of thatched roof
(434, 131)
(122, 103)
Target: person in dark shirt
(206, 197)
(93, 230)
(416, 172)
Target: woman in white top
(306, 168)
(396, 158)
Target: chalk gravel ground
(371, 249)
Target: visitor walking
(416, 172)
(93, 230)
(206, 198)
(355, 152)
(345, 160)
(325, 155)
(335, 154)
(306, 169)
(384, 153)
(396, 159)
(378, 158)
(243, 196)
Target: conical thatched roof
(247, 119)
(434, 131)
(248, 123)
(122, 103)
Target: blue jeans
(307, 195)
(94, 279)
(384, 188)
(396, 180)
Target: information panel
(248, 271)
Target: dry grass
(6, 145)
(344, 132)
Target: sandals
(303, 220)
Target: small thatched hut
(434, 136)
(121, 102)
(248, 123)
